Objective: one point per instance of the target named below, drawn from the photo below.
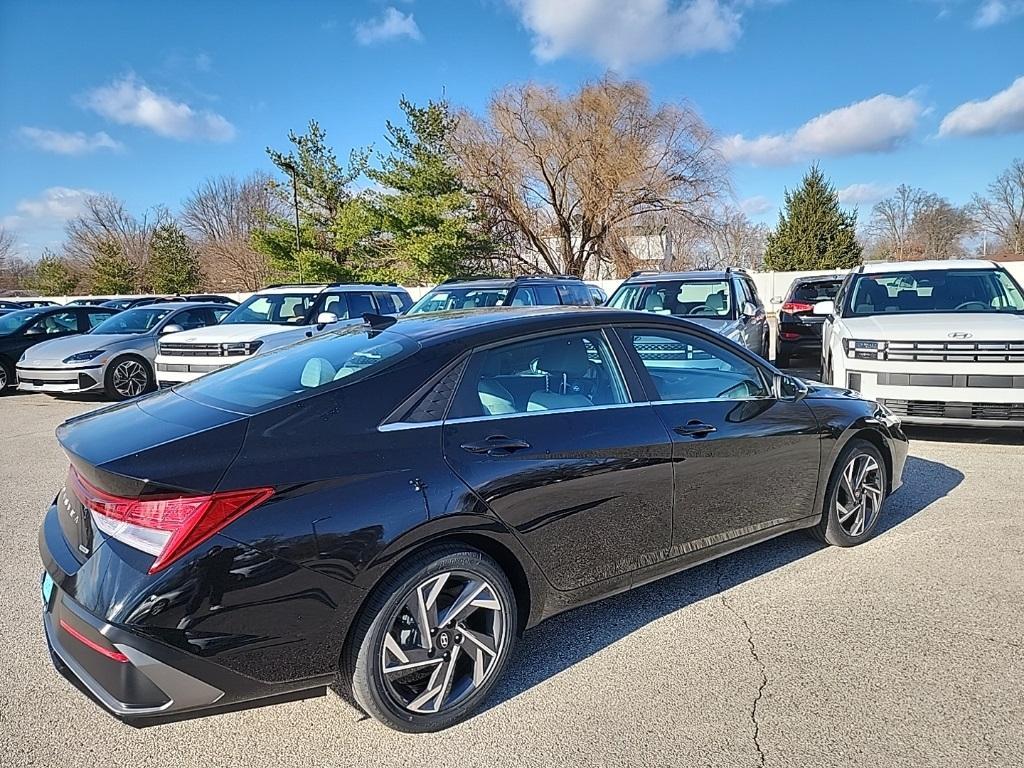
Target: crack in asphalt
(757, 660)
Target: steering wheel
(969, 304)
(703, 309)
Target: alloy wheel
(860, 494)
(3, 378)
(130, 378)
(443, 643)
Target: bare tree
(222, 215)
(734, 240)
(892, 219)
(569, 175)
(915, 224)
(1001, 213)
(106, 225)
(7, 245)
(939, 228)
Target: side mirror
(776, 300)
(325, 318)
(824, 308)
(789, 388)
(171, 328)
(748, 309)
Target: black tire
(8, 377)
(363, 662)
(113, 385)
(782, 358)
(832, 529)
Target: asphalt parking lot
(906, 651)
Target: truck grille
(190, 350)
(956, 351)
(937, 409)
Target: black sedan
(25, 328)
(386, 507)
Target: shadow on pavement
(1010, 436)
(565, 640)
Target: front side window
(682, 298)
(55, 324)
(552, 373)
(267, 379)
(132, 320)
(14, 321)
(575, 295)
(445, 299)
(683, 366)
(933, 290)
(272, 308)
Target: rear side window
(94, 318)
(536, 296)
(274, 377)
(575, 295)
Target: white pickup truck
(276, 316)
(936, 342)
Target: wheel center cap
(444, 640)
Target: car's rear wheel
(128, 377)
(6, 375)
(433, 640)
(854, 496)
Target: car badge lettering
(960, 335)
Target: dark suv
(528, 291)
(724, 301)
(799, 327)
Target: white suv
(936, 342)
(277, 315)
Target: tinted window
(548, 374)
(132, 321)
(687, 367)
(55, 324)
(938, 290)
(11, 322)
(813, 291)
(575, 295)
(676, 297)
(191, 319)
(386, 304)
(443, 299)
(95, 317)
(272, 308)
(300, 368)
(220, 313)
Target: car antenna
(378, 322)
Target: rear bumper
(60, 380)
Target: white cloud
(862, 194)
(390, 25)
(993, 12)
(68, 143)
(756, 205)
(878, 124)
(1001, 113)
(129, 101)
(619, 33)
(52, 207)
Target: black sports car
(387, 507)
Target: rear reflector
(794, 307)
(789, 335)
(115, 655)
(164, 526)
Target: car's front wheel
(128, 377)
(7, 377)
(854, 496)
(433, 640)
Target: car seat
(561, 360)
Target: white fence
(770, 285)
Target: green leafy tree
(112, 270)
(173, 265)
(52, 276)
(813, 231)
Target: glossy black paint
(601, 501)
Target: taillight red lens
(164, 526)
(797, 306)
(113, 655)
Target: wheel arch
(874, 437)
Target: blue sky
(144, 100)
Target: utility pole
(295, 205)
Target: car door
(751, 326)
(744, 459)
(545, 432)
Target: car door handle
(496, 445)
(695, 428)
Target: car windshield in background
(272, 308)
(814, 291)
(133, 321)
(459, 298)
(299, 368)
(706, 298)
(13, 321)
(939, 290)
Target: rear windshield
(133, 321)
(443, 299)
(298, 369)
(815, 290)
(938, 290)
(683, 298)
(272, 308)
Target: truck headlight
(863, 349)
(240, 348)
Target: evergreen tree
(813, 231)
(52, 277)
(173, 262)
(112, 270)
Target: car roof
(315, 289)
(920, 266)
(696, 275)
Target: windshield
(442, 299)
(683, 298)
(272, 308)
(133, 321)
(13, 321)
(299, 368)
(934, 290)
(813, 291)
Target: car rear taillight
(112, 655)
(164, 526)
(794, 307)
